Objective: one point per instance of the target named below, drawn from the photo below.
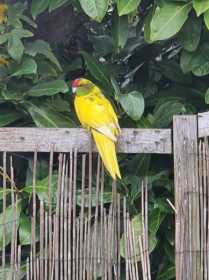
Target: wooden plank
(187, 232)
(64, 140)
(203, 124)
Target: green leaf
(127, 6)
(25, 230)
(107, 198)
(136, 223)
(4, 38)
(200, 6)
(42, 189)
(167, 274)
(186, 61)
(46, 70)
(206, 19)
(27, 67)
(116, 88)
(147, 25)
(168, 20)
(171, 70)
(97, 69)
(8, 117)
(163, 116)
(22, 33)
(197, 62)
(54, 4)
(189, 35)
(43, 48)
(119, 31)
(14, 14)
(48, 88)
(103, 45)
(207, 96)
(28, 21)
(44, 117)
(42, 171)
(7, 272)
(15, 47)
(38, 6)
(133, 104)
(155, 219)
(6, 222)
(95, 9)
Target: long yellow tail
(106, 149)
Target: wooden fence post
(187, 232)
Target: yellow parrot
(96, 114)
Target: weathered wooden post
(187, 233)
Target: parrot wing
(95, 111)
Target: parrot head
(81, 86)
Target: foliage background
(151, 59)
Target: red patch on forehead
(75, 83)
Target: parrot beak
(74, 89)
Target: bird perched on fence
(96, 114)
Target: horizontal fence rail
(64, 140)
(152, 141)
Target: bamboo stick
(33, 235)
(4, 210)
(51, 158)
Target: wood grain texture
(187, 235)
(64, 140)
(203, 124)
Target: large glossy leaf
(103, 45)
(189, 35)
(127, 6)
(42, 189)
(95, 9)
(133, 104)
(97, 69)
(147, 25)
(27, 67)
(38, 6)
(197, 62)
(206, 18)
(15, 47)
(136, 223)
(48, 88)
(200, 6)
(155, 219)
(6, 222)
(54, 4)
(163, 116)
(120, 31)
(22, 33)
(168, 20)
(167, 274)
(44, 117)
(106, 198)
(186, 61)
(171, 70)
(25, 230)
(8, 116)
(43, 48)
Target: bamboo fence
(70, 241)
(77, 235)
